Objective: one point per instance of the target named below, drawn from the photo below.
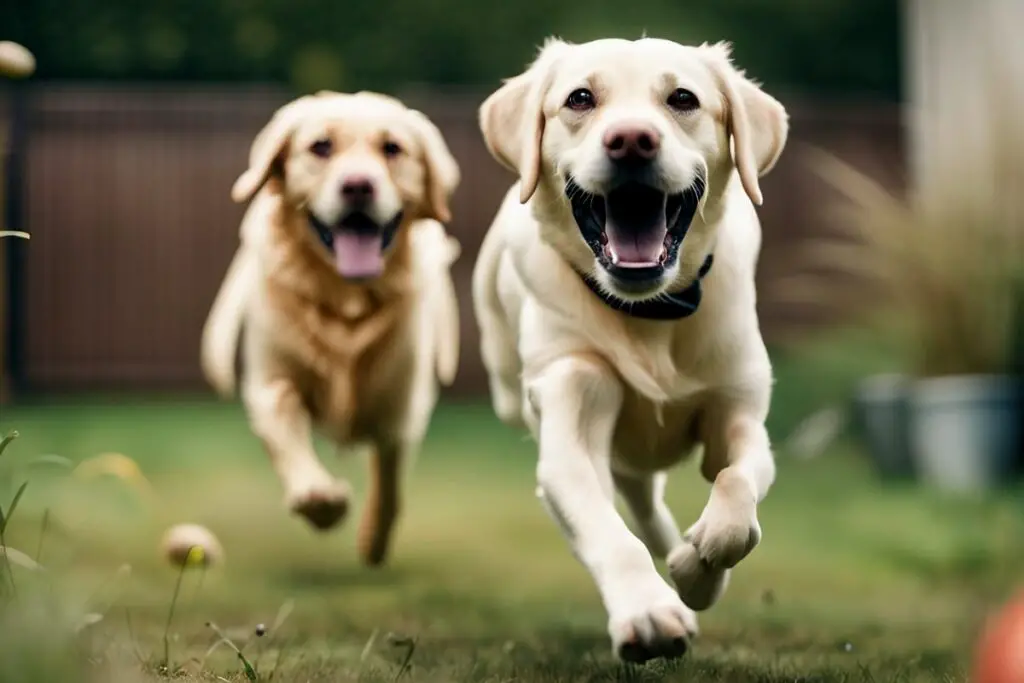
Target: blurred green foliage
(826, 46)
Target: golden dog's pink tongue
(358, 254)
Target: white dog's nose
(632, 141)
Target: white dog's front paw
(323, 504)
(726, 532)
(659, 626)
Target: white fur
(613, 400)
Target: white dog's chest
(651, 437)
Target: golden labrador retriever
(615, 298)
(340, 298)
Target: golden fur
(359, 359)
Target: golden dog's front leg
(574, 404)
(280, 419)
(738, 460)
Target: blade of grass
(250, 672)
(12, 507)
(16, 557)
(53, 460)
(131, 636)
(170, 617)
(42, 534)
(6, 441)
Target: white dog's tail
(223, 326)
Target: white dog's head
(629, 140)
(357, 166)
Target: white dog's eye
(322, 148)
(391, 149)
(581, 99)
(682, 99)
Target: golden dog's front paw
(323, 505)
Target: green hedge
(839, 46)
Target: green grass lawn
(854, 581)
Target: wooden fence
(125, 192)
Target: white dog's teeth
(614, 257)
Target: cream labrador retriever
(615, 298)
(340, 297)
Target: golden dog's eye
(391, 149)
(682, 99)
(322, 148)
(581, 99)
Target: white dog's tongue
(638, 245)
(636, 226)
(358, 254)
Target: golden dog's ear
(512, 118)
(442, 169)
(267, 147)
(757, 122)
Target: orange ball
(1000, 654)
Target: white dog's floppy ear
(442, 170)
(757, 122)
(512, 118)
(266, 147)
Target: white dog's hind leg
(574, 404)
(645, 497)
(497, 342)
(738, 460)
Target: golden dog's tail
(448, 318)
(223, 328)
(437, 251)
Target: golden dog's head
(624, 144)
(355, 166)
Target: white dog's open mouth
(635, 230)
(357, 243)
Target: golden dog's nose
(357, 190)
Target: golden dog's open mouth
(635, 230)
(357, 243)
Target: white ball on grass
(15, 60)
(191, 545)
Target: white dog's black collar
(674, 306)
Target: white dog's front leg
(738, 460)
(574, 404)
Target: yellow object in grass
(119, 466)
(115, 464)
(191, 545)
(196, 556)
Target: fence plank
(132, 226)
